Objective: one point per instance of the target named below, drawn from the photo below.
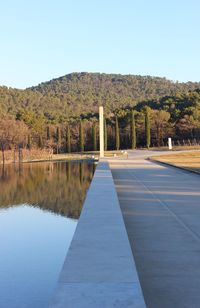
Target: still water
(39, 207)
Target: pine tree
(117, 137)
(94, 136)
(105, 136)
(68, 140)
(29, 142)
(147, 127)
(81, 137)
(133, 130)
(58, 138)
(40, 142)
(48, 133)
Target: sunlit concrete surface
(161, 210)
(99, 270)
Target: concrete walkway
(99, 270)
(161, 210)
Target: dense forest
(62, 114)
(77, 93)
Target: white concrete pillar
(170, 143)
(101, 131)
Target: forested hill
(112, 90)
(134, 87)
(77, 93)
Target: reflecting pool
(39, 207)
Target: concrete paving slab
(161, 207)
(172, 291)
(97, 295)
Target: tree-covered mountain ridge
(79, 93)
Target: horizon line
(100, 73)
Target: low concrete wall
(99, 270)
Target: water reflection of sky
(34, 239)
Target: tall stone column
(101, 131)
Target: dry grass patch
(188, 160)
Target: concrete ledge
(99, 270)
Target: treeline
(150, 123)
(71, 95)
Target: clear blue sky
(41, 39)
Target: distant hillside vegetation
(78, 93)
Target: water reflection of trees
(57, 187)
